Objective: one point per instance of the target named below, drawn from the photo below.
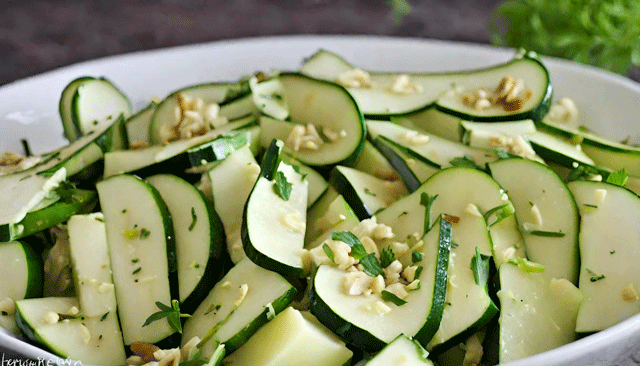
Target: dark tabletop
(37, 36)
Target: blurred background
(37, 36)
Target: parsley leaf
(282, 187)
(618, 178)
(172, 313)
(527, 265)
(387, 257)
(427, 202)
(194, 218)
(416, 257)
(328, 252)
(371, 265)
(480, 268)
(465, 161)
(502, 212)
(548, 234)
(369, 261)
(391, 297)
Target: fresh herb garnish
(465, 161)
(480, 268)
(418, 271)
(594, 276)
(144, 233)
(427, 202)
(548, 234)
(104, 316)
(281, 186)
(391, 297)
(212, 307)
(137, 270)
(618, 178)
(371, 264)
(602, 33)
(502, 212)
(387, 257)
(194, 218)
(527, 265)
(172, 313)
(328, 252)
(416, 257)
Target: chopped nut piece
(473, 210)
(138, 144)
(73, 311)
(105, 287)
(293, 221)
(135, 360)
(382, 308)
(398, 290)
(8, 306)
(304, 137)
(409, 273)
(564, 111)
(332, 135)
(86, 334)
(629, 293)
(226, 285)
(415, 138)
(402, 84)
(354, 78)
(355, 283)
(537, 216)
(510, 95)
(600, 195)
(242, 293)
(51, 317)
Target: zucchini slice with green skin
(412, 168)
(558, 150)
(328, 108)
(432, 149)
(209, 93)
(317, 184)
(142, 252)
(90, 340)
(97, 102)
(608, 253)
(65, 108)
(292, 338)
(223, 318)
(177, 156)
(402, 348)
(372, 161)
(547, 214)
(330, 213)
(231, 183)
(200, 238)
(346, 315)
(138, 125)
(379, 102)
(365, 193)
(20, 263)
(537, 313)
(268, 97)
(89, 256)
(456, 188)
(281, 215)
(72, 201)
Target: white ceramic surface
(609, 104)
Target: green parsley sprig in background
(604, 33)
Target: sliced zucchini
(97, 103)
(89, 256)
(209, 93)
(142, 253)
(20, 263)
(558, 150)
(330, 213)
(372, 161)
(138, 125)
(537, 313)
(292, 338)
(402, 350)
(547, 214)
(176, 156)
(69, 201)
(511, 128)
(365, 193)
(200, 238)
(65, 108)
(317, 184)
(380, 101)
(90, 340)
(456, 188)
(268, 96)
(228, 317)
(355, 318)
(433, 121)
(432, 149)
(277, 205)
(231, 182)
(608, 252)
(332, 113)
(412, 168)
(468, 304)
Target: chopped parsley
(501, 212)
(369, 192)
(427, 202)
(137, 270)
(135, 260)
(194, 218)
(388, 296)
(594, 276)
(144, 233)
(618, 178)
(416, 257)
(172, 313)
(282, 187)
(527, 265)
(387, 257)
(465, 161)
(371, 264)
(329, 253)
(103, 317)
(212, 307)
(480, 264)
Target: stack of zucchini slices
(331, 214)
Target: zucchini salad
(328, 216)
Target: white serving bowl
(609, 105)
